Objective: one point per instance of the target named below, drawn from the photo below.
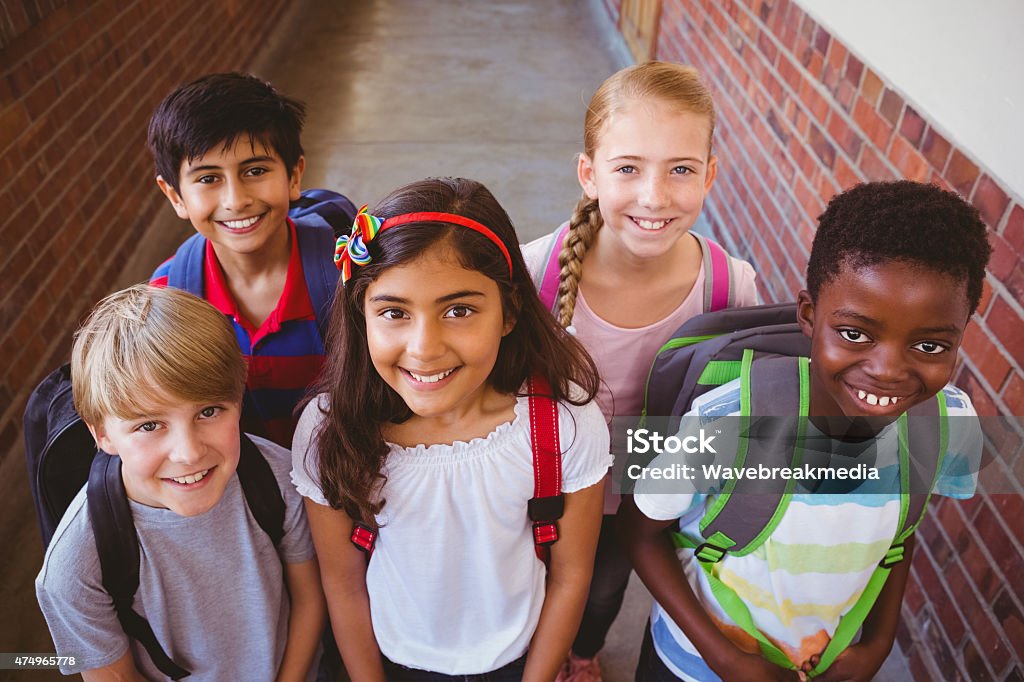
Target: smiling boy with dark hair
(895, 272)
(229, 159)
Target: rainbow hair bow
(351, 248)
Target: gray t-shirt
(211, 586)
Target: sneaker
(578, 669)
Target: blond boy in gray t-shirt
(158, 378)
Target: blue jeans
(510, 672)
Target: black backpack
(62, 457)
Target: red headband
(351, 249)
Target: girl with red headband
(453, 441)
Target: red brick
(801, 154)
(845, 175)
(1009, 615)
(975, 664)
(1004, 257)
(767, 48)
(935, 148)
(986, 297)
(821, 146)
(875, 128)
(845, 136)
(815, 102)
(891, 106)
(991, 200)
(854, 70)
(41, 97)
(1006, 326)
(961, 173)
(911, 164)
(920, 667)
(1011, 509)
(871, 88)
(912, 126)
(13, 122)
(821, 40)
(1015, 283)
(1013, 396)
(945, 605)
(913, 599)
(1014, 228)
(873, 167)
(983, 404)
(989, 361)
(845, 94)
(979, 573)
(1007, 557)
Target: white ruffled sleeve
(305, 459)
(583, 437)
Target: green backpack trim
(719, 543)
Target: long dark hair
(351, 447)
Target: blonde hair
(147, 343)
(674, 84)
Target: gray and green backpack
(764, 348)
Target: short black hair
(902, 221)
(216, 110)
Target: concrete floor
(398, 90)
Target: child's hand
(858, 663)
(756, 667)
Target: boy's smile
(177, 456)
(884, 338)
(238, 197)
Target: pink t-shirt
(624, 355)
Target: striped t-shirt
(818, 560)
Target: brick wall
(78, 81)
(802, 117)
(77, 87)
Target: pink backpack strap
(547, 286)
(548, 503)
(719, 278)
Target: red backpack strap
(547, 286)
(718, 276)
(548, 503)
(364, 538)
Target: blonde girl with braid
(626, 271)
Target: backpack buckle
(546, 508)
(364, 538)
(708, 553)
(893, 556)
(545, 533)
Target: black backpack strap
(117, 545)
(773, 396)
(262, 494)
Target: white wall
(959, 64)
